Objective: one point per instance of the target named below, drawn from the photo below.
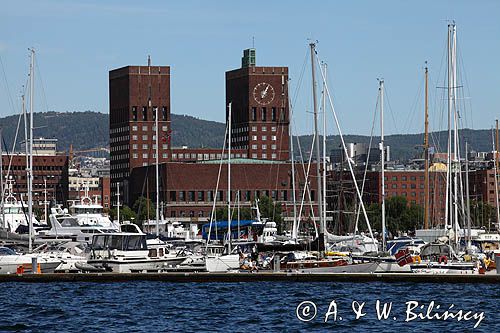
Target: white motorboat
(65, 226)
(10, 261)
(16, 215)
(127, 252)
(88, 212)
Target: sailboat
(225, 261)
(439, 257)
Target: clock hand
(265, 91)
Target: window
(254, 114)
(144, 113)
(182, 196)
(264, 147)
(394, 186)
(273, 114)
(220, 196)
(191, 196)
(247, 195)
(164, 113)
(134, 155)
(264, 137)
(403, 177)
(284, 195)
(154, 111)
(164, 146)
(173, 196)
(282, 114)
(164, 155)
(264, 114)
(145, 155)
(403, 185)
(273, 147)
(273, 129)
(394, 178)
(273, 137)
(254, 137)
(145, 146)
(145, 128)
(134, 146)
(254, 155)
(264, 155)
(254, 128)
(264, 128)
(134, 113)
(254, 146)
(134, 128)
(210, 195)
(413, 178)
(273, 156)
(144, 137)
(134, 137)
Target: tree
(126, 214)
(271, 210)
(221, 213)
(399, 216)
(140, 208)
(482, 214)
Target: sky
(78, 42)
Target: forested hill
(87, 130)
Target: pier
(204, 277)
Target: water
(145, 306)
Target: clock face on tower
(263, 93)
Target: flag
(403, 257)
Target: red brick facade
(50, 168)
(259, 125)
(132, 119)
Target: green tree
(126, 214)
(140, 208)
(399, 216)
(482, 214)
(271, 210)
(221, 213)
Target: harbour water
(146, 306)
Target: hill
(87, 130)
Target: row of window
(244, 195)
(144, 113)
(146, 127)
(146, 146)
(403, 178)
(264, 115)
(412, 186)
(264, 147)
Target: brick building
(50, 173)
(260, 114)
(188, 190)
(136, 95)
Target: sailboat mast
(324, 141)
(426, 153)
(456, 166)
(295, 222)
(469, 235)
(157, 161)
(29, 167)
(4, 223)
(382, 161)
(118, 202)
(496, 175)
(321, 236)
(448, 212)
(229, 180)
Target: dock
(204, 277)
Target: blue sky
(78, 42)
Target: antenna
(253, 42)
